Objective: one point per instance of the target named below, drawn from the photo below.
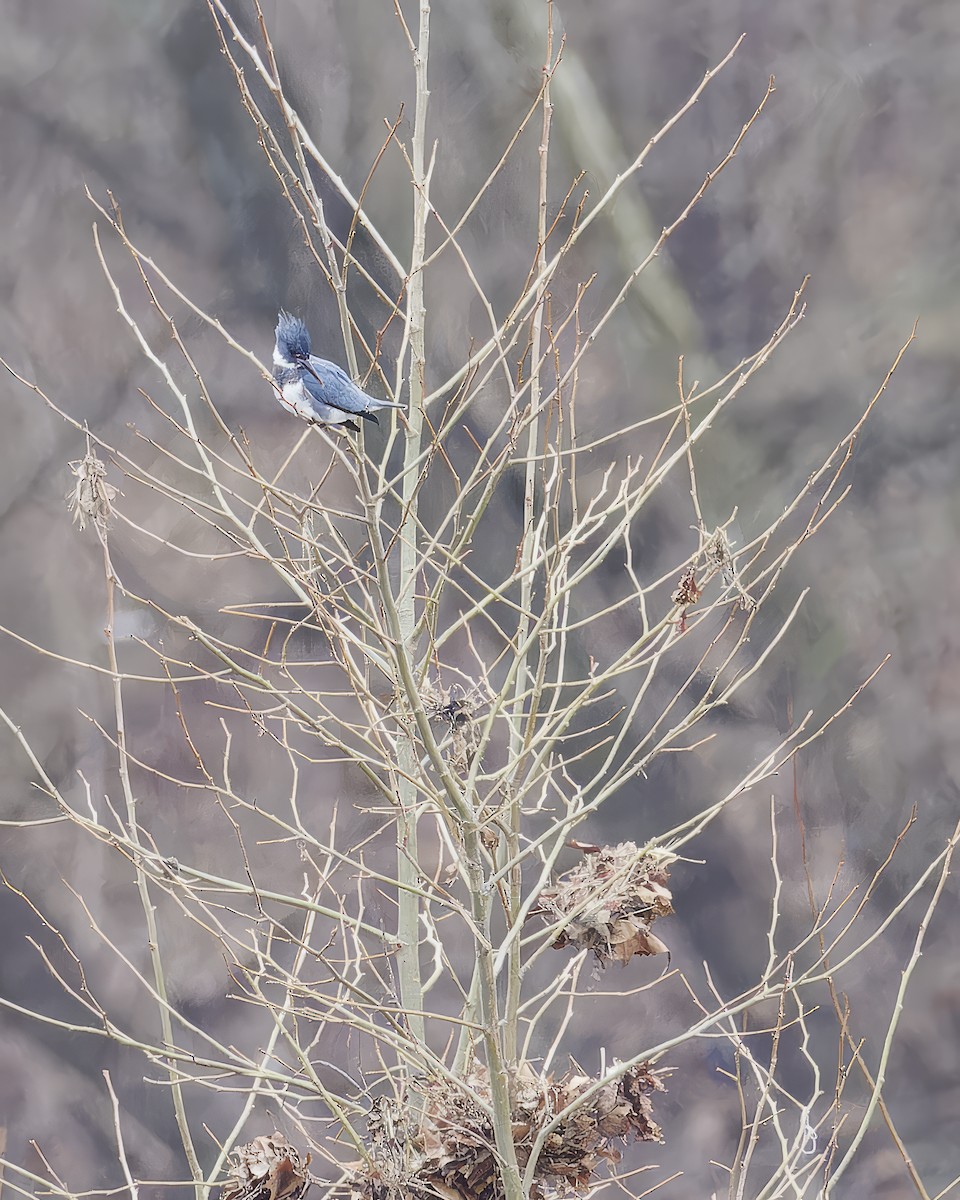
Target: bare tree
(416, 972)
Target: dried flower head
(608, 902)
(443, 1145)
(91, 497)
(268, 1168)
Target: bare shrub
(394, 708)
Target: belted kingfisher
(312, 388)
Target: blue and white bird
(312, 388)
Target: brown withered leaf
(688, 591)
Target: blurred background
(850, 176)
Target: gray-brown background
(851, 176)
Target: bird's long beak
(306, 366)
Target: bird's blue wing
(337, 374)
(342, 378)
(330, 385)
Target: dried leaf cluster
(90, 500)
(688, 590)
(608, 902)
(458, 709)
(443, 1143)
(268, 1168)
(720, 558)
